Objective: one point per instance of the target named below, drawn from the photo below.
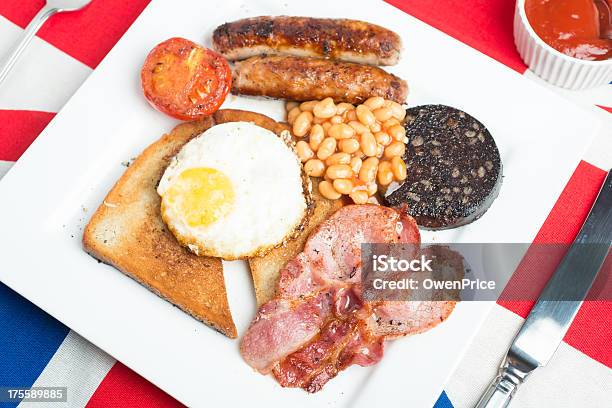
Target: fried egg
(234, 191)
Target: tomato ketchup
(569, 26)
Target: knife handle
(502, 389)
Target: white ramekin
(552, 65)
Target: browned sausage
(305, 79)
(343, 39)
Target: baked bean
(343, 186)
(324, 109)
(316, 136)
(314, 168)
(368, 144)
(304, 151)
(398, 167)
(382, 138)
(395, 149)
(358, 126)
(371, 188)
(348, 145)
(341, 131)
(390, 123)
(398, 112)
(365, 115)
(336, 119)
(292, 114)
(326, 148)
(359, 196)
(356, 164)
(290, 105)
(374, 102)
(338, 158)
(368, 169)
(337, 171)
(397, 132)
(382, 114)
(384, 174)
(359, 185)
(326, 126)
(343, 107)
(327, 190)
(308, 106)
(302, 124)
(351, 115)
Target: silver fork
(51, 7)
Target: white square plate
(49, 195)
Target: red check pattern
(486, 25)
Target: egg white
(266, 175)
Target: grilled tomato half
(184, 79)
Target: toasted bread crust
(265, 269)
(128, 233)
(236, 115)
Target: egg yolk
(201, 195)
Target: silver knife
(553, 313)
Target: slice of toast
(127, 231)
(265, 269)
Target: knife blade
(557, 305)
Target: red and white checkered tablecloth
(36, 350)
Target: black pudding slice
(454, 168)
